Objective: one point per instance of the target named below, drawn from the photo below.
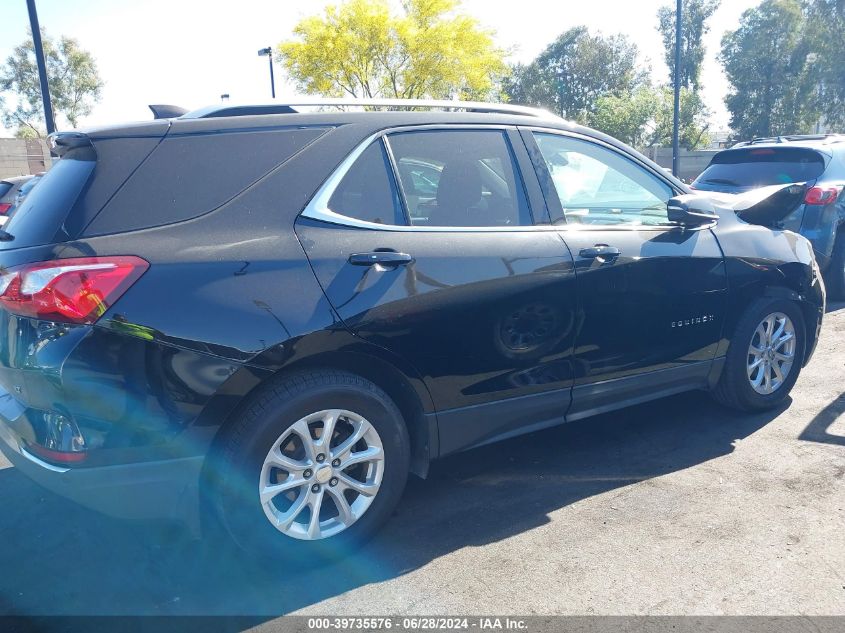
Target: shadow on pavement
(57, 558)
(817, 429)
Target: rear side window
(459, 178)
(190, 175)
(367, 191)
(762, 166)
(42, 213)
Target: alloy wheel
(321, 474)
(771, 353)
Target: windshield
(743, 169)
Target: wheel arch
(406, 390)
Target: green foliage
(361, 49)
(575, 70)
(773, 87)
(72, 76)
(643, 118)
(26, 132)
(695, 14)
(825, 32)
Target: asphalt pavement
(672, 507)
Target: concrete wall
(692, 162)
(19, 157)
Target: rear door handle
(600, 251)
(385, 258)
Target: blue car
(818, 161)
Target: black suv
(818, 161)
(268, 320)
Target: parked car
(818, 161)
(9, 188)
(265, 322)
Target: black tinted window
(188, 176)
(761, 166)
(367, 191)
(41, 215)
(459, 178)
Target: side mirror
(691, 210)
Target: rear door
(651, 294)
(431, 244)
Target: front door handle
(385, 258)
(600, 251)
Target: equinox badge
(704, 318)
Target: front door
(426, 245)
(651, 294)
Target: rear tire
(835, 277)
(752, 357)
(269, 473)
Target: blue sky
(189, 52)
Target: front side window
(597, 185)
(459, 178)
(367, 191)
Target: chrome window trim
(318, 208)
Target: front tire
(764, 357)
(313, 466)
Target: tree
(360, 48)
(825, 26)
(575, 70)
(643, 118)
(773, 89)
(72, 77)
(627, 117)
(693, 28)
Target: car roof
(814, 141)
(293, 114)
(400, 112)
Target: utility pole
(676, 122)
(42, 67)
(269, 53)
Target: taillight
(4, 207)
(77, 290)
(821, 195)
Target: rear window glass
(42, 213)
(4, 188)
(758, 167)
(188, 176)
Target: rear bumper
(161, 490)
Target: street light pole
(676, 122)
(42, 67)
(269, 53)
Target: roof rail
(289, 107)
(834, 137)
